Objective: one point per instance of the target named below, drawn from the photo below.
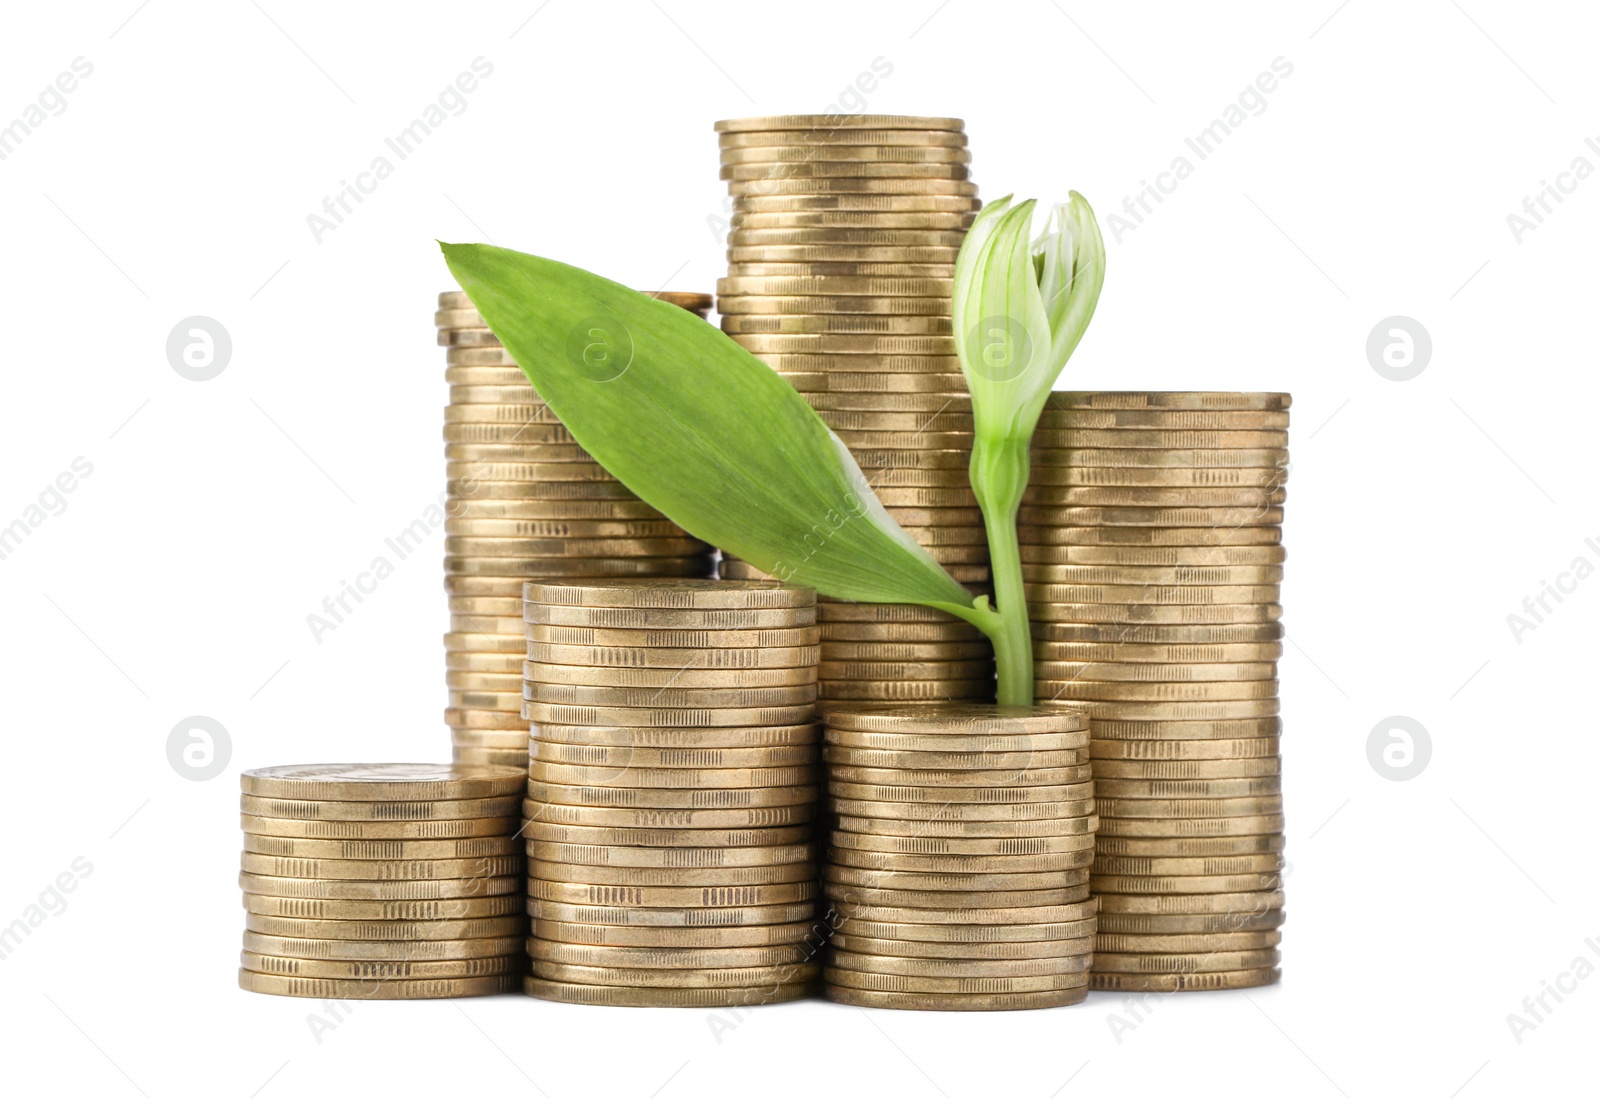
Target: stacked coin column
(381, 881)
(1153, 557)
(524, 502)
(841, 254)
(671, 792)
(958, 871)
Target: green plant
(714, 439)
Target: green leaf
(700, 429)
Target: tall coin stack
(671, 792)
(841, 256)
(525, 502)
(1152, 552)
(383, 881)
(959, 867)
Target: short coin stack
(959, 867)
(844, 236)
(671, 792)
(525, 502)
(1153, 555)
(382, 881)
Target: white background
(218, 515)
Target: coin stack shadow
(959, 868)
(672, 786)
(841, 253)
(1152, 550)
(525, 502)
(389, 881)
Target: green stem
(1013, 640)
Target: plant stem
(1013, 641)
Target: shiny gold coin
(951, 221)
(485, 719)
(1214, 401)
(376, 989)
(697, 595)
(1156, 614)
(1190, 807)
(1152, 577)
(1189, 740)
(934, 1001)
(502, 701)
(963, 779)
(642, 896)
(934, 811)
(621, 798)
(601, 755)
(672, 819)
(678, 938)
(1192, 826)
(977, 721)
(379, 830)
(907, 440)
(379, 849)
(1188, 788)
(674, 778)
(1156, 439)
(671, 917)
(959, 864)
(1194, 904)
(661, 698)
(844, 939)
(502, 739)
(685, 718)
(960, 753)
(664, 618)
(945, 669)
(1147, 672)
(1183, 982)
(1164, 480)
(1040, 554)
(684, 676)
(613, 996)
(960, 968)
(282, 866)
(446, 889)
(627, 532)
(466, 337)
(380, 971)
(1222, 923)
(764, 736)
(1114, 692)
(641, 658)
(497, 606)
(621, 510)
(672, 641)
(1164, 419)
(867, 880)
(479, 356)
(1170, 885)
(1002, 791)
(952, 898)
(525, 568)
(829, 290)
(1117, 500)
(639, 957)
(1124, 654)
(900, 633)
(1169, 865)
(316, 908)
(946, 845)
(885, 982)
(838, 610)
(1249, 633)
(851, 172)
(740, 236)
(779, 154)
(379, 782)
(722, 856)
(926, 404)
(482, 681)
(844, 652)
(756, 183)
(1227, 521)
(378, 951)
(1113, 770)
(478, 488)
(817, 130)
(804, 376)
(672, 876)
(571, 547)
(499, 663)
(846, 324)
(1151, 455)
(485, 756)
(471, 809)
(486, 375)
(845, 345)
(860, 203)
(1028, 931)
(488, 927)
(1207, 962)
(965, 829)
(509, 428)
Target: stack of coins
(841, 256)
(959, 867)
(671, 792)
(381, 881)
(524, 502)
(1153, 555)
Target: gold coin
(1222, 923)
(1152, 455)
(1190, 807)
(376, 988)
(496, 606)
(959, 864)
(953, 220)
(838, 610)
(952, 898)
(981, 952)
(965, 829)
(685, 938)
(1118, 500)
(380, 782)
(621, 798)
(907, 440)
(625, 532)
(845, 324)
(943, 669)
(447, 889)
(933, 376)
(900, 403)
(602, 755)
(662, 698)
(740, 236)
(856, 203)
(766, 736)
(525, 568)
(697, 595)
(612, 855)
(886, 982)
(378, 849)
(1224, 521)
(466, 337)
(480, 473)
(837, 652)
(1192, 826)
(934, 1001)
(485, 756)
(359, 950)
(487, 927)
(824, 130)
(1158, 656)
(1164, 419)
(985, 724)
(637, 658)
(503, 701)
(671, 917)
(675, 778)
(379, 830)
(973, 920)
(1028, 931)
(778, 154)
(802, 284)
(476, 510)
(485, 719)
(474, 487)
(694, 896)
(868, 879)
(1251, 633)
(758, 182)
(1165, 480)
(980, 845)
(1183, 982)
(1156, 614)
(699, 877)
(1193, 904)
(470, 809)
(1169, 885)
(613, 996)
(1208, 962)
(666, 618)
(685, 718)
(1195, 788)
(962, 780)
(281, 866)
(507, 740)
(316, 908)
(1216, 401)
(502, 663)
(845, 345)
(1186, 770)
(1000, 791)
(486, 375)
(958, 968)
(380, 971)
(520, 394)
(902, 633)
(673, 641)
(684, 676)
(853, 172)
(644, 957)
(1210, 865)
(1186, 740)
(523, 430)
(1040, 554)
(479, 356)
(1148, 672)
(1154, 438)
(937, 810)
(1112, 693)
(1153, 577)
(482, 681)
(934, 751)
